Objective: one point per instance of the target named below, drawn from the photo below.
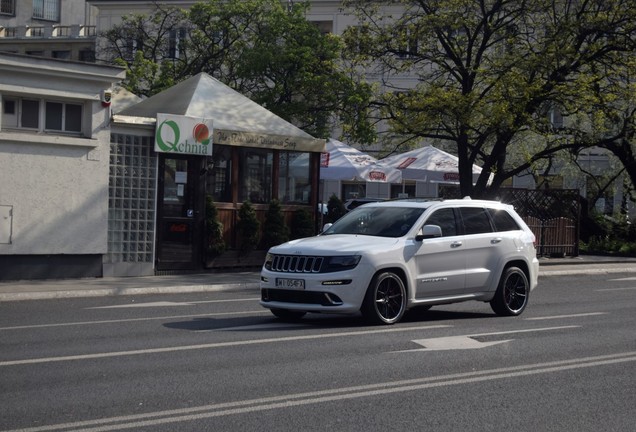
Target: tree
(264, 49)
(248, 227)
(491, 72)
(275, 231)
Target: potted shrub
(215, 244)
(335, 209)
(248, 227)
(275, 231)
(302, 224)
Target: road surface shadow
(314, 320)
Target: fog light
(337, 282)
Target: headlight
(341, 263)
(268, 261)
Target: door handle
(496, 240)
(456, 244)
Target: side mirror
(326, 227)
(429, 231)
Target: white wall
(59, 198)
(56, 186)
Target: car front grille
(297, 264)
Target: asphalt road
(218, 362)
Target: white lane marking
(454, 343)
(331, 395)
(213, 345)
(69, 324)
(467, 341)
(226, 301)
(624, 279)
(266, 326)
(143, 305)
(565, 316)
(170, 304)
(617, 289)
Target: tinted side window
(445, 218)
(476, 220)
(503, 221)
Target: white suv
(384, 258)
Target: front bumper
(339, 292)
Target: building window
(63, 117)
(175, 43)
(353, 190)
(7, 7)
(9, 107)
(255, 182)
(46, 9)
(555, 117)
(42, 115)
(62, 55)
(30, 114)
(325, 27)
(294, 184)
(219, 174)
(407, 42)
(87, 56)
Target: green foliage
(215, 244)
(141, 44)
(616, 237)
(248, 227)
(275, 231)
(302, 224)
(335, 209)
(490, 73)
(264, 49)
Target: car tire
(385, 300)
(288, 315)
(511, 297)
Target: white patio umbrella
(428, 164)
(343, 162)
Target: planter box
(236, 259)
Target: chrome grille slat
(297, 264)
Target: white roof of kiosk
(237, 120)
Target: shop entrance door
(180, 212)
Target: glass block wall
(131, 205)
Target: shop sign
(183, 135)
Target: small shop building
(195, 141)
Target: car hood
(335, 244)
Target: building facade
(48, 28)
(54, 166)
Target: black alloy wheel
(512, 293)
(385, 300)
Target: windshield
(377, 221)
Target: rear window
(476, 220)
(503, 220)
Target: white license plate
(290, 283)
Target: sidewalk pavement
(245, 280)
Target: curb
(105, 292)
